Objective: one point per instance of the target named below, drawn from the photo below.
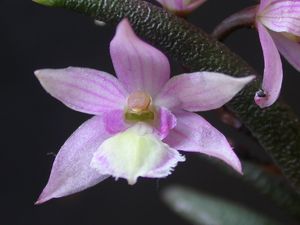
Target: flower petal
(173, 5)
(195, 134)
(181, 5)
(272, 79)
(263, 4)
(134, 153)
(194, 4)
(138, 65)
(282, 16)
(71, 171)
(165, 122)
(200, 91)
(85, 90)
(114, 121)
(288, 48)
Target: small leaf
(202, 209)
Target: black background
(35, 125)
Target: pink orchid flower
(278, 25)
(181, 6)
(141, 119)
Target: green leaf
(202, 209)
(273, 186)
(45, 2)
(277, 128)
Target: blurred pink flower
(141, 118)
(278, 25)
(181, 6)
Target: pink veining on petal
(71, 171)
(282, 16)
(194, 134)
(85, 90)
(273, 73)
(138, 65)
(200, 91)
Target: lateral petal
(71, 171)
(84, 90)
(194, 134)
(200, 91)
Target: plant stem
(244, 18)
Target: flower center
(139, 107)
(138, 101)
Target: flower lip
(137, 152)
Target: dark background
(35, 125)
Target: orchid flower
(181, 7)
(141, 119)
(278, 25)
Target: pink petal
(195, 4)
(200, 91)
(85, 90)
(138, 65)
(282, 16)
(114, 121)
(181, 5)
(263, 4)
(165, 122)
(195, 134)
(172, 5)
(272, 79)
(71, 171)
(288, 48)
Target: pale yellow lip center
(138, 101)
